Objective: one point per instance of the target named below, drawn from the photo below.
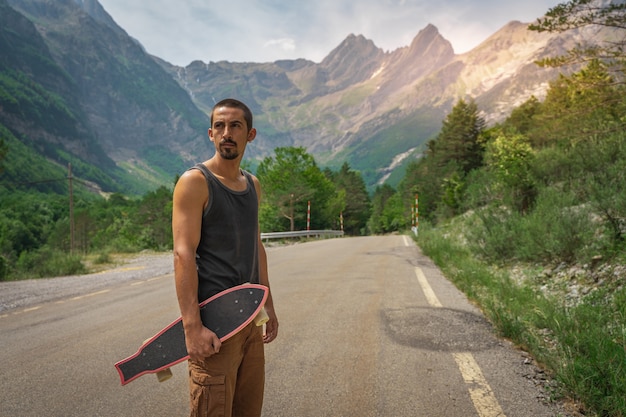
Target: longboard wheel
(261, 318)
(164, 375)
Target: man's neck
(229, 170)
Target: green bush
(557, 230)
(49, 263)
(4, 268)
(103, 258)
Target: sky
(182, 31)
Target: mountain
(134, 121)
(126, 124)
(372, 108)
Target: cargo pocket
(208, 394)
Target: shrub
(49, 263)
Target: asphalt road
(368, 327)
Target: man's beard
(229, 153)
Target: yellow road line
(480, 392)
(80, 297)
(426, 288)
(123, 269)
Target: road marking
(427, 289)
(132, 284)
(125, 269)
(28, 310)
(80, 297)
(480, 392)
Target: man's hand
(201, 344)
(271, 327)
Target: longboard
(226, 313)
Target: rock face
(133, 113)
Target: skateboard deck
(225, 314)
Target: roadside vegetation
(528, 217)
(571, 319)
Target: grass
(582, 345)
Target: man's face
(229, 132)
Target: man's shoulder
(192, 180)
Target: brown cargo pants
(230, 383)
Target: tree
(154, 215)
(290, 179)
(439, 177)
(579, 106)
(509, 158)
(521, 118)
(459, 139)
(377, 222)
(356, 207)
(575, 14)
(4, 149)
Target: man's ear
(251, 134)
(210, 134)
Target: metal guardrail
(301, 233)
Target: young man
(217, 245)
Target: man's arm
(190, 197)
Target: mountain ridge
(371, 108)
(334, 111)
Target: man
(217, 245)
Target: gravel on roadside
(26, 293)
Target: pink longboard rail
(226, 313)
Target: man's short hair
(233, 103)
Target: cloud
(285, 44)
(269, 30)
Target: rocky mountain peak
(428, 37)
(428, 53)
(353, 61)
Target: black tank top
(227, 254)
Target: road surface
(368, 327)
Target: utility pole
(69, 177)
